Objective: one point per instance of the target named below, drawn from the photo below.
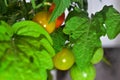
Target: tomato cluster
(64, 59)
(43, 18)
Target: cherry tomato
(43, 18)
(86, 73)
(60, 19)
(64, 59)
(98, 55)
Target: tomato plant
(64, 59)
(27, 48)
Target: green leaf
(24, 73)
(76, 13)
(84, 37)
(44, 59)
(112, 22)
(24, 56)
(44, 43)
(97, 20)
(24, 66)
(60, 7)
(5, 37)
(59, 39)
(5, 31)
(4, 47)
(30, 28)
(110, 17)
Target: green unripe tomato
(98, 55)
(64, 59)
(87, 73)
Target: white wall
(96, 5)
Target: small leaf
(112, 22)
(59, 39)
(61, 5)
(76, 13)
(110, 17)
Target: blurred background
(105, 71)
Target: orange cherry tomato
(43, 18)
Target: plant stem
(33, 4)
(106, 61)
(82, 5)
(25, 9)
(6, 3)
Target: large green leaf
(110, 17)
(24, 56)
(112, 22)
(30, 28)
(83, 34)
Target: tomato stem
(106, 61)
(6, 3)
(33, 4)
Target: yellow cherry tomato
(64, 59)
(43, 18)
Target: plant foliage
(26, 48)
